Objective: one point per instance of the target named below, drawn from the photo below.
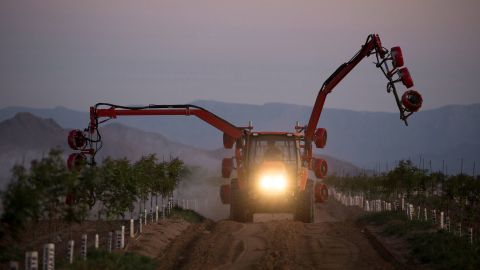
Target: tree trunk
(151, 201)
(140, 207)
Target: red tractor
(271, 167)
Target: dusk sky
(78, 53)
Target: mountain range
(371, 140)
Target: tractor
(271, 167)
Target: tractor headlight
(273, 182)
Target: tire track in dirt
(334, 241)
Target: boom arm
(207, 116)
(90, 141)
(411, 100)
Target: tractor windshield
(273, 148)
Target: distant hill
(26, 137)
(367, 139)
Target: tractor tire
(305, 204)
(238, 204)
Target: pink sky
(77, 53)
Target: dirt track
(332, 242)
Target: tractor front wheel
(238, 204)
(305, 204)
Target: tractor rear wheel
(305, 204)
(238, 203)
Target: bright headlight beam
(275, 182)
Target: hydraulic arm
(89, 141)
(391, 64)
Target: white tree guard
(83, 247)
(442, 225)
(49, 256)
(110, 241)
(31, 260)
(132, 228)
(97, 241)
(70, 249)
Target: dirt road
(332, 242)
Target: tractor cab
(268, 147)
(272, 161)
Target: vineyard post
(425, 214)
(441, 220)
(140, 225)
(118, 239)
(49, 256)
(418, 212)
(132, 228)
(97, 241)
(122, 241)
(71, 246)
(145, 216)
(31, 260)
(83, 250)
(110, 241)
(156, 214)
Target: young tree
(117, 190)
(21, 203)
(144, 174)
(48, 178)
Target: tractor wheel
(238, 203)
(305, 204)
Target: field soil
(333, 241)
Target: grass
(187, 215)
(101, 259)
(433, 248)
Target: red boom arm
(373, 45)
(391, 65)
(187, 110)
(409, 103)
